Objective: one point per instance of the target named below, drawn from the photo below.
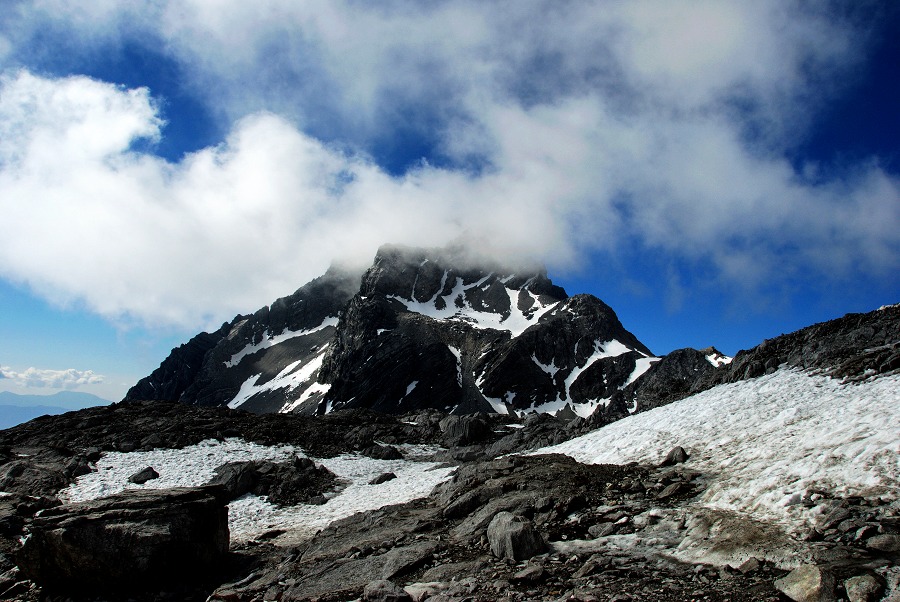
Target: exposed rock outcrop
(854, 346)
(135, 540)
(284, 483)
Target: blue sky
(717, 172)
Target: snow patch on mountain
(718, 360)
(602, 349)
(642, 364)
(292, 376)
(550, 368)
(455, 307)
(269, 340)
(459, 373)
(767, 442)
(582, 409)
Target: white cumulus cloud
(591, 126)
(51, 379)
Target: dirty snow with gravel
(765, 443)
(250, 516)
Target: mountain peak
(443, 328)
(420, 274)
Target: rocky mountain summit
(421, 328)
(437, 329)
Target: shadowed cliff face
(421, 328)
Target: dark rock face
(382, 452)
(669, 379)
(422, 328)
(144, 475)
(464, 430)
(210, 369)
(131, 541)
(178, 371)
(855, 346)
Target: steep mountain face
(242, 362)
(420, 329)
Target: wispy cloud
(51, 379)
(590, 126)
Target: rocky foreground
(503, 527)
(791, 492)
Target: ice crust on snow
(766, 442)
(457, 308)
(270, 340)
(251, 515)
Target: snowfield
(766, 443)
(249, 516)
(762, 446)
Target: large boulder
(136, 540)
(464, 430)
(298, 481)
(863, 588)
(514, 537)
(807, 583)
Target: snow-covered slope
(768, 443)
(249, 516)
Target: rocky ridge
(434, 329)
(210, 369)
(421, 328)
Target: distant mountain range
(16, 409)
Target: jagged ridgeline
(421, 328)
